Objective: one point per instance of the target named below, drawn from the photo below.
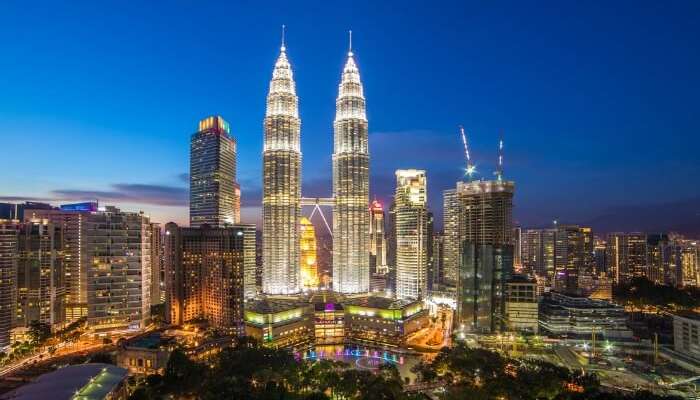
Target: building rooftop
(689, 314)
(385, 303)
(150, 341)
(75, 382)
(272, 305)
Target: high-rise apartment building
(479, 246)
(626, 256)
(658, 257)
(157, 282)
(214, 192)
(350, 185)
(688, 257)
(411, 213)
(72, 219)
(281, 183)
(309, 259)
(118, 251)
(41, 292)
(206, 269)
(8, 279)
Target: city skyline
(565, 139)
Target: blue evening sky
(598, 100)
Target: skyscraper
(377, 239)
(157, 284)
(214, 192)
(41, 292)
(206, 269)
(118, 254)
(281, 183)
(626, 256)
(309, 267)
(350, 185)
(8, 279)
(72, 218)
(411, 213)
(478, 243)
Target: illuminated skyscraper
(626, 256)
(309, 267)
(411, 213)
(8, 279)
(207, 273)
(350, 185)
(377, 239)
(214, 192)
(281, 183)
(118, 251)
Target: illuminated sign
(87, 206)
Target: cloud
(16, 199)
(130, 192)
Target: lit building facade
(626, 256)
(281, 183)
(41, 292)
(157, 281)
(72, 219)
(478, 244)
(686, 333)
(521, 307)
(350, 185)
(8, 279)
(377, 239)
(214, 192)
(309, 267)
(118, 251)
(411, 213)
(206, 269)
(574, 316)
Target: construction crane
(471, 169)
(499, 169)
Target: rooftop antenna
(350, 45)
(470, 166)
(284, 27)
(499, 170)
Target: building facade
(626, 256)
(72, 219)
(686, 333)
(8, 279)
(214, 192)
(521, 308)
(41, 291)
(206, 269)
(377, 239)
(309, 265)
(411, 213)
(281, 183)
(478, 244)
(576, 316)
(118, 251)
(350, 185)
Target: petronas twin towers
(282, 184)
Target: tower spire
(350, 43)
(283, 47)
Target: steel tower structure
(281, 182)
(350, 184)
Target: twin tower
(282, 199)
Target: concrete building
(350, 185)
(206, 271)
(145, 355)
(478, 244)
(157, 271)
(118, 252)
(214, 192)
(281, 183)
(72, 219)
(411, 214)
(280, 322)
(626, 256)
(40, 289)
(686, 333)
(521, 308)
(8, 279)
(580, 317)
